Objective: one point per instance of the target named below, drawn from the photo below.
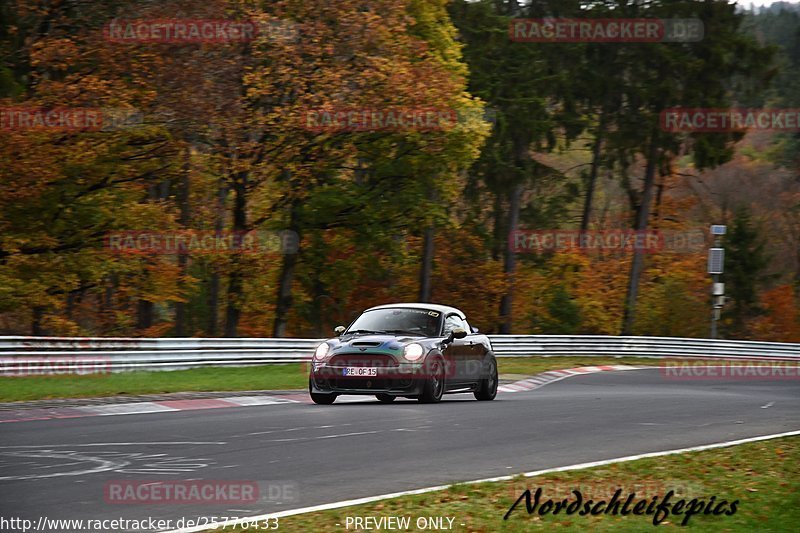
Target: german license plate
(359, 371)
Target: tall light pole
(716, 266)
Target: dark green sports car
(411, 350)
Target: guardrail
(103, 354)
(120, 354)
(595, 345)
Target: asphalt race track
(58, 468)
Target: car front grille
(377, 384)
(362, 359)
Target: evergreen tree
(745, 272)
(564, 314)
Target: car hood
(375, 343)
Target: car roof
(444, 309)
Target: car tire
(320, 398)
(433, 386)
(487, 388)
(385, 398)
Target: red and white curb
(551, 376)
(164, 406)
(25, 415)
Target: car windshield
(422, 322)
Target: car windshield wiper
(405, 332)
(362, 331)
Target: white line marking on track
(247, 401)
(138, 408)
(110, 444)
(102, 465)
(327, 436)
(348, 434)
(580, 466)
(279, 430)
(767, 406)
(295, 429)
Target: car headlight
(321, 351)
(413, 351)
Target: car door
(457, 352)
(475, 354)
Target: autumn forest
(279, 174)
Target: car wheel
(320, 398)
(385, 398)
(433, 386)
(487, 388)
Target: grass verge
(266, 377)
(763, 476)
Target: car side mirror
(339, 330)
(475, 330)
(457, 333)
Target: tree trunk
(426, 269)
(233, 303)
(522, 162)
(593, 171)
(637, 265)
(284, 300)
(183, 259)
(70, 307)
(144, 314)
(145, 308)
(499, 242)
(233, 310)
(797, 267)
(214, 281)
(213, 305)
(317, 313)
(107, 300)
(36, 321)
(510, 260)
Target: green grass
(763, 476)
(266, 377)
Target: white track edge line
(564, 374)
(579, 466)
